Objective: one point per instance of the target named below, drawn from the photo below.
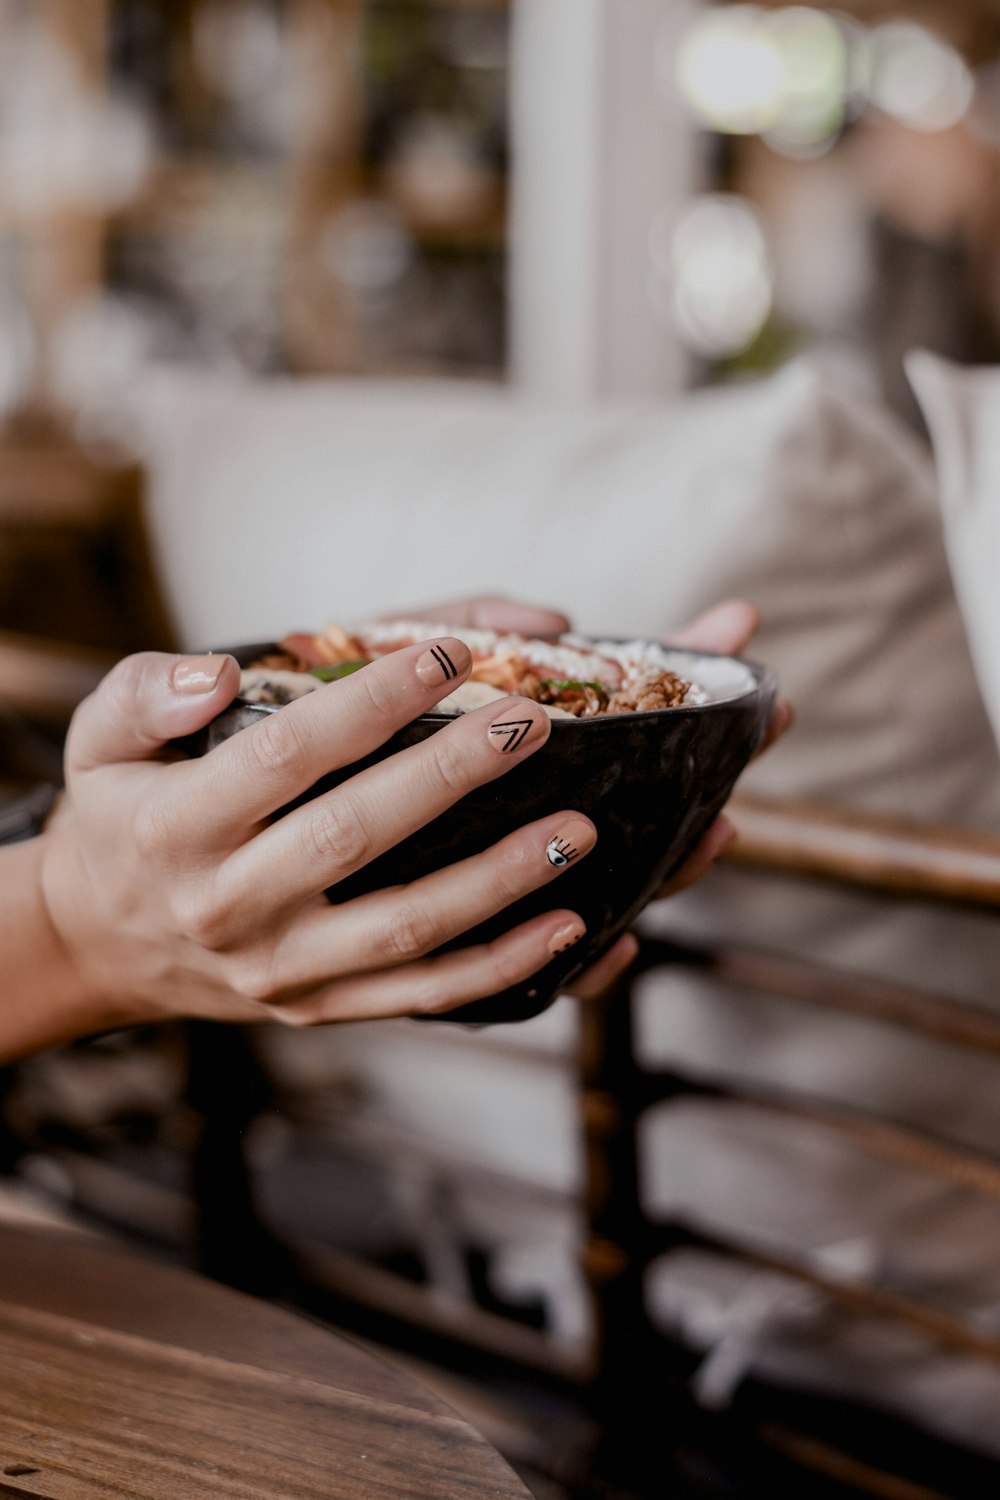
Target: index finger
(240, 784)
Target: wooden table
(122, 1378)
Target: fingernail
(198, 674)
(517, 729)
(443, 662)
(572, 840)
(726, 833)
(565, 937)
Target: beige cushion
(962, 409)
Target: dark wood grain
(121, 1378)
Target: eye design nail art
(445, 662)
(560, 852)
(515, 731)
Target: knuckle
(112, 701)
(449, 766)
(296, 1016)
(204, 920)
(336, 833)
(120, 688)
(429, 997)
(251, 977)
(288, 1015)
(153, 830)
(273, 748)
(377, 688)
(409, 933)
(507, 967)
(116, 703)
(516, 869)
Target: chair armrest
(851, 847)
(47, 679)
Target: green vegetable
(336, 672)
(570, 685)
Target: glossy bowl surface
(651, 782)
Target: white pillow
(962, 410)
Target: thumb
(145, 701)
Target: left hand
(727, 628)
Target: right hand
(175, 893)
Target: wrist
(49, 998)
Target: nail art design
(442, 662)
(566, 937)
(445, 662)
(560, 852)
(515, 731)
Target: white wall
(600, 145)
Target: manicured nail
(198, 674)
(782, 718)
(722, 833)
(565, 937)
(516, 729)
(571, 841)
(443, 662)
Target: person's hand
(727, 628)
(489, 612)
(173, 893)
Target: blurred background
(578, 201)
(412, 187)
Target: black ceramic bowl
(651, 782)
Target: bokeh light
(712, 277)
(814, 54)
(796, 74)
(367, 247)
(729, 70)
(783, 74)
(918, 79)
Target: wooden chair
(772, 1437)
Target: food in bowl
(568, 677)
(651, 777)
